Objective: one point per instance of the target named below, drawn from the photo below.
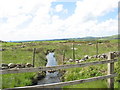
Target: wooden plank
(61, 84)
(111, 70)
(17, 70)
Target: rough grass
(6, 44)
(88, 72)
(93, 84)
(15, 54)
(17, 80)
(92, 71)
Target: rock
(116, 53)
(28, 65)
(22, 65)
(4, 68)
(81, 60)
(18, 65)
(77, 61)
(95, 56)
(98, 56)
(70, 60)
(89, 43)
(11, 65)
(86, 56)
(4, 65)
(104, 56)
(90, 57)
(52, 71)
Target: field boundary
(110, 75)
(23, 70)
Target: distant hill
(88, 38)
(85, 38)
(111, 37)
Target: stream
(51, 77)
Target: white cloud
(108, 27)
(43, 26)
(59, 8)
(84, 21)
(13, 7)
(95, 7)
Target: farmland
(22, 52)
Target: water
(50, 77)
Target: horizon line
(56, 39)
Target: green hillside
(113, 37)
(110, 37)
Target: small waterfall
(51, 77)
(51, 62)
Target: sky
(57, 19)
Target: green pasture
(14, 53)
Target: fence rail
(61, 84)
(17, 70)
(110, 74)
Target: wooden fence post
(33, 59)
(73, 51)
(97, 48)
(63, 56)
(110, 70)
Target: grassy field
(88, 72)
(22, 53)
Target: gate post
(110, 70)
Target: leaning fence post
(96, 47)
(33, 56)
(73, 51)
(110, 70)
(63, 56)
